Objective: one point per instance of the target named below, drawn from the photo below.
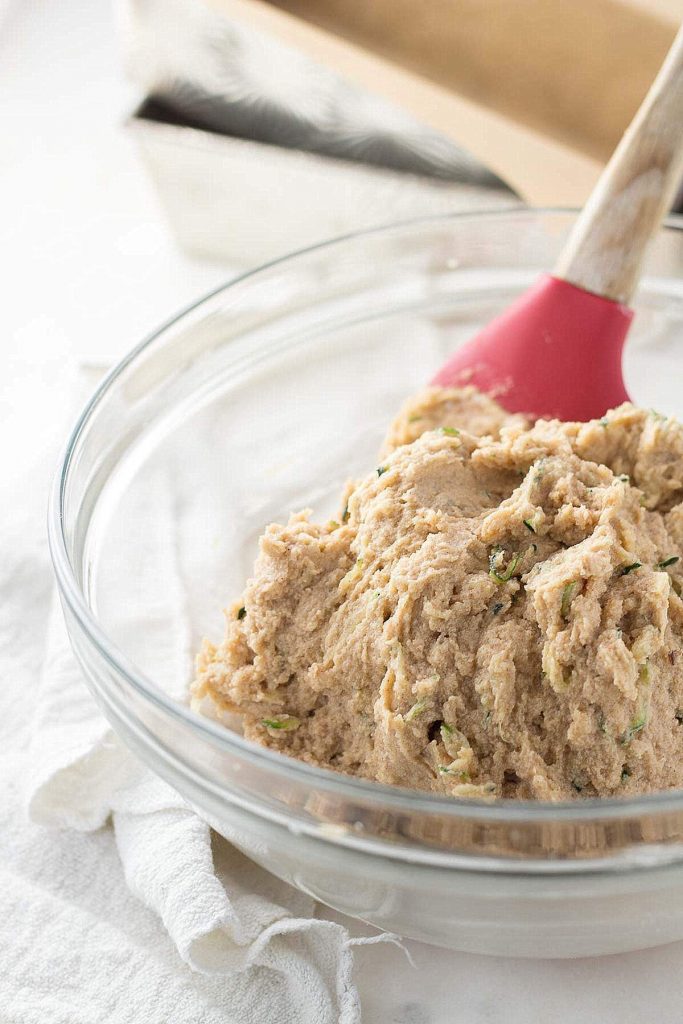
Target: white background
(87, 267)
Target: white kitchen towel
(223, 914)
(271, 959)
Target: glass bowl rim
(397, 797)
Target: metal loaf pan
(245, 202)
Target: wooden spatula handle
(607, 247)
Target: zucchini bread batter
(496, 612)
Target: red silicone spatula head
(557, 350)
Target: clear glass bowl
(262, 399)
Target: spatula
(557, 350)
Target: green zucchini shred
(624, 570)
(446, 769)
(284, 723)
(506, 574)
(568, 592)
(415, 711)
(635, 727)
(671, 560)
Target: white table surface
(92, 267)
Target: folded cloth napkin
(80, 949)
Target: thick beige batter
(496, 613)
